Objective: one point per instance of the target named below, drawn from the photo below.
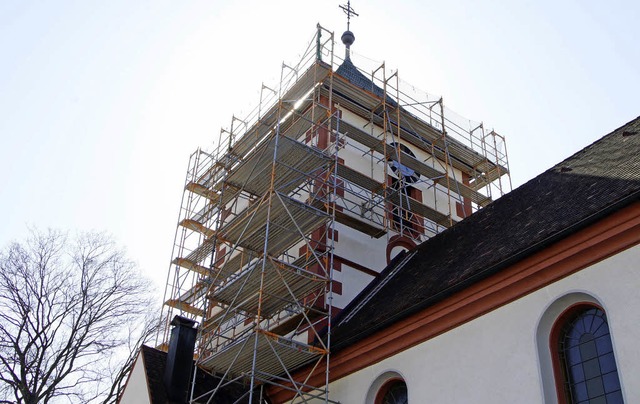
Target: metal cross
(349, 12)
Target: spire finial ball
(348, 38)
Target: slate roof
(573, 194)
(350, 72)
(154, 362)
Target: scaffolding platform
(421, 133)
(274, 118)
(293, 160)
(185, 263)
(278, 220)
(421, 168)
(203, 251)
(275, 355)
(282, 285)
(366, 182)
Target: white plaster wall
(496, 358)
(362, 249)
(353, 281)
(136, 390)
(358, 247)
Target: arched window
(393, 392)
(585, 366)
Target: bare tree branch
(72, 315)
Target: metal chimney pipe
(179, 366)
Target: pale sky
(102, 102)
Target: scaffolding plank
(205, 214)
(348, 93)
(182, 306)
(272, 353)
(412, 205)
(194, 293)
(189, 297)
(188, 264)
(418, 166)
(487, 178)
(249, 229)
(292, 323)
(201, 252)
(212, 173)
(217, 317)
(283, 284)
(313, 113)
(295, 163)
(234, 262)
(245, 143)
(201, 190)
(362, 225)
(368, 183)
(421, 133)
(196, 226)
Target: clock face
(408, 175)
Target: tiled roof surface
(585, 187)
(350, 72)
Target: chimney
(178, 369)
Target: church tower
(331, 181)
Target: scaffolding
(330, 147)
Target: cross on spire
(349, 12)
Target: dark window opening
(393, 392)
(586, 355)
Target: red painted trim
(355, 265)
(222, 251)
(464, 209)
(323, 133)
(399, 241)
(340, 190)
(337, 288)
(337, 266)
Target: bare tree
(71, 310)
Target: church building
(353, 241)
